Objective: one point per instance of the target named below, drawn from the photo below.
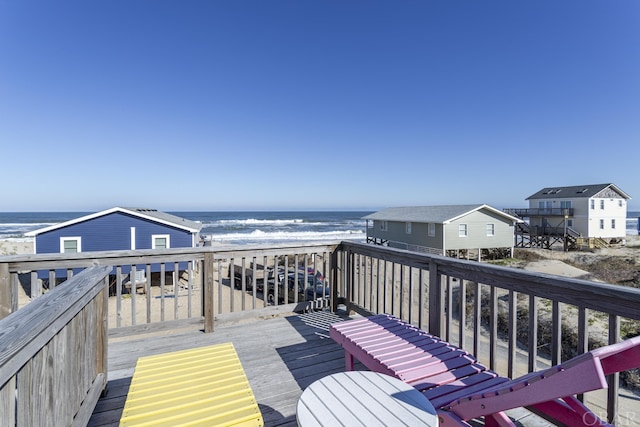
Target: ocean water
(632, 223)
(224, 227)
(279, 227)
(240, 227)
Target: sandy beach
(584, 264)
(15, 247)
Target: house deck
(281, 357)
(466, 303)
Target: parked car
(256, 269)
(317, 290)
(314, 287)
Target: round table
(363, 398)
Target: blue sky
(276, 105)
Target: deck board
(281, 356)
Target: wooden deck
(464, 302)
(281, 357)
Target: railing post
(207, 295)
(102, 316)
(436, 301)
(351, 284)
(5, 291)
(333, 274)
(613, 379)
(342, 273)
(493, 328)
(533, 333)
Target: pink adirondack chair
(463, 389)
(550, 392)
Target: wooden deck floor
(281, 357)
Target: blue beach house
(118, 229)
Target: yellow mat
(205, 386)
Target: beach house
(467, 231)
(596, 213)
(118, 228)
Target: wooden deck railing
(513, 320)
(504, 316)
(53, 355)
(180, 284)
(529, 212)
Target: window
(613, 224)
(569, 223)
(407, 228)
(160, 241)
(541, 205)
(602, 204)
(602, 224)
(620, 203)
(431, 229)
(384, 226)
(593, 204)
(462, 230)
(70, 245)
(566, 204)
(491, 230)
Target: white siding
(586, 221)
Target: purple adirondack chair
(462, 389)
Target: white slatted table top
(364, 398)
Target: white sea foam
(254, 221)
(17, 239)
(17, 230)
(259, 235)
(26, 225)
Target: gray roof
(432, 214)
(150, 214)
(168, 218)
(575, 191)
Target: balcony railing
(513, 320)
(179, 284)
(53, 355)
(530, 212)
